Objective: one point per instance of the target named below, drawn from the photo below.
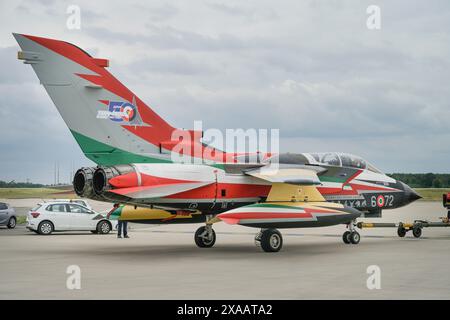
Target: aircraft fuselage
(213, 189)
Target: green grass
(21, 219)
(432, 194)
(26, 193)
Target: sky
(309, 68)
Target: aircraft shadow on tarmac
(234, 251)
(22, 231)
(180, 251)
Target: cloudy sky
(310, 68)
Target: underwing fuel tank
(290, 215)
(155, 216)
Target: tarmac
(162, 262)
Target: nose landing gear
(351, 236)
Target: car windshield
(80, 202)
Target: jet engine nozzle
(82, 182)
(103, 175)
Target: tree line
(13, 184)
(423, 180)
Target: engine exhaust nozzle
(82, 182)
(103, 175)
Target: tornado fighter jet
(132, 147)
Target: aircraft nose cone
(410, 194)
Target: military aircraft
(132, 147)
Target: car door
(58, 215)
(4, 213)
(82, 217)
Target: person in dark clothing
(122, 225)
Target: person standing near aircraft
(122, 224)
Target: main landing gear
(205, 237)
(351, 235)
(270, 240)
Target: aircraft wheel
(271, 240)
(202, 240)
(417, 232)
(354, 237)
(258, 239)
(401, 232)
(346, 237)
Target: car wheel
(45, 228)
(12, 223)
(103, 227)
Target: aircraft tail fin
(109, 122)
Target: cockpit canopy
(326, 158)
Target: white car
(84, 203)
(67, 216)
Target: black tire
(271, 240)
(417, 232)
(346, 237)
(12, 223)
(354, 237)
(401, 232)
(104, 227)
(45, 228)
(202, 242)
